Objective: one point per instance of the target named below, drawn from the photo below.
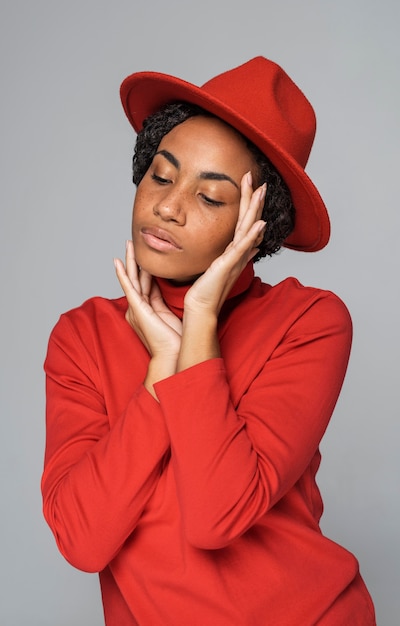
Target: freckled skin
(198, 212)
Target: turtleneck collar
(174, 295)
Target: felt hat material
(261, 101)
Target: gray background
(66, 201)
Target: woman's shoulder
(94, 314)
(289, 287)
(96, 306)
(291, 299)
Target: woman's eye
(210, 201)
(160, 180)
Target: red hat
(260, 100)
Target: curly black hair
(278, 211)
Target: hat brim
(144, 93)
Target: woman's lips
(159, 239)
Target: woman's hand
(205, 298)
(158, 328)
(209, 292)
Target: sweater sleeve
(233, 463)
(97, 479)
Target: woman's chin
(160, 269)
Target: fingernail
(249, 179)
(263, 191)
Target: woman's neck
(174, 293)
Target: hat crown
(267, 98)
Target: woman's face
(187, 203)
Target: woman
(184, 419)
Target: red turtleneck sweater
(202, 508)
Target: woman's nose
(171, 207)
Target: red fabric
(202, 508)
(262, 102)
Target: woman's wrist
(159, 368)
(199, 339)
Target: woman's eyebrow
(170, 157)
(203, 175)
(217, 176)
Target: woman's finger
(251, 206)
(146, 281)
(134, 297)
(246, 192)
(131, 266)
(124, 279)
